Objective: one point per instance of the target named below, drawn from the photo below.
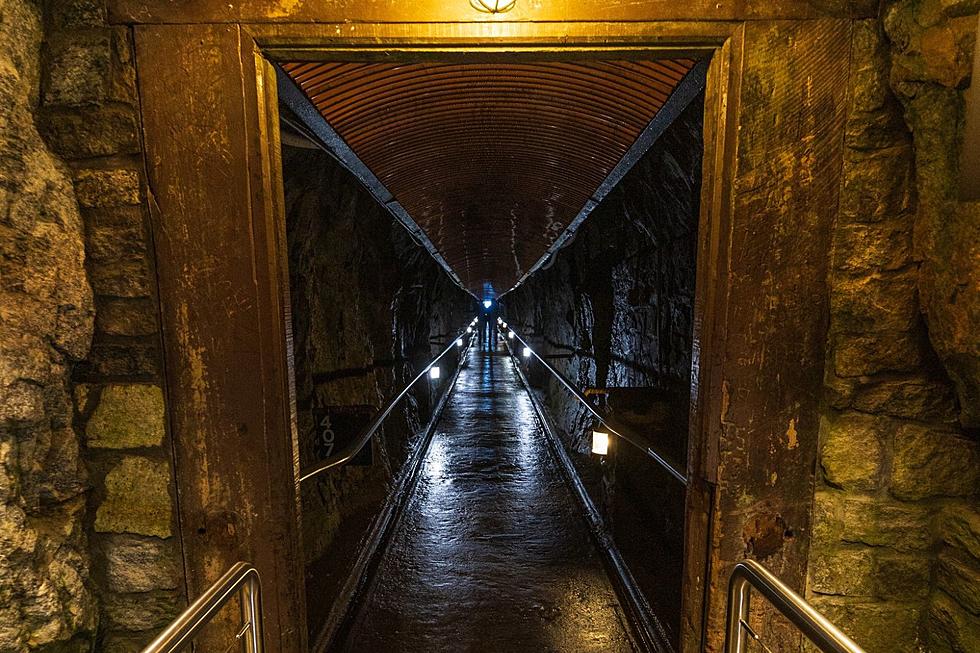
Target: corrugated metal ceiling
(492, 160)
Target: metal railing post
(251, 606)
(748, 575)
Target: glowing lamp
(469, 329)
(459, 342)
(510, 335)
(434, 372)
(493, 6)
(503, 324)
(527, 352)
(600, 443)
(487, 303)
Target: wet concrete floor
(492, 553)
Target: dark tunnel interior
(612, 310)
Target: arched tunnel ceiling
(492, 160)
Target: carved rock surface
(46, 322)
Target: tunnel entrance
(567, 192)
(774, 122)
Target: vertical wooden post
(772, 179)
(208, 109)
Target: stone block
(911, 397)
(959, 576)
(72, 14)
(100, 130)
(78, 66)
(902, 577)
(112, 187)
(851, 450)
(120, 279)
(877, 185)
(869, 247)
(877, 627)
(139, 564)
(137, 498)
(133, 358)
(877, 353)
(842, 572)
(951, 627)
(929, 463)
(876, 303)
(960, 527)
(840, 518)
(127, 416)
(114, 243)
(143, 611)
(116, 316)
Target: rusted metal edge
(685, 91)
(646, 626)
(331, 142)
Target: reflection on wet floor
(492, 553)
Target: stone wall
(614, 310)
(46, 323)
(894, 558)
(369, 308)
(114, 431)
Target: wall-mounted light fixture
(459, 342)
(503, 324)
(493, 6)
(469, 329)
(434, 372)
(487, 303)
(527, 352)
(510, 335)
(600, 443)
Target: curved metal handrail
(353, 448)
(673, 469)
(818, 629)
(241, 577)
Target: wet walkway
(492, 553)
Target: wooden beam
(460, 11)
(209, 117)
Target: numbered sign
(335, 427)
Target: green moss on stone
(137, 498)
(127, 416)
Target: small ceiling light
(459, 342)
(527, 352)
(469, 329)
(510, 335)
(493, 6)
(434, 372)
(487, 303)
(600, 443)
(503, 324)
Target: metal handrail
(818, 629)
(242, 579)
(353, 448)
(673, 469)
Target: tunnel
(489, 325)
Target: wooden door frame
(236, 57)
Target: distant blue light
(487, 303)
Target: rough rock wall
(895, 558)
(615, 311)
(46, 321)
(86, 431)
(369, 308)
